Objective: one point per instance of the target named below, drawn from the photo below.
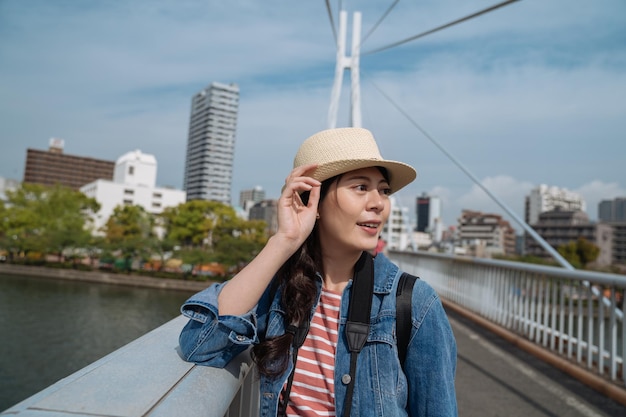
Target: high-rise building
(211, 143)
(428, 210)
(54, 167)
(544, 198)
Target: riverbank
(99, 277)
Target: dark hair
(296, 280)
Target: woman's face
(354, 211)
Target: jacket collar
(385, 273)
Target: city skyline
(528, 94)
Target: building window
(131, 170)
(156, 205)
(129, 192)
(157, 195)
(128, 202)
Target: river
(51, 328)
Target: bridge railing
(578, 315)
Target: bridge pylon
(347, 62)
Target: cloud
(596, 191)
(512, 101)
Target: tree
(67, 215)
(199, 223)
(130, 230)
(579, 253)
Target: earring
(317, 216)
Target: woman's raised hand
(296, 219)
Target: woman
(331, 213)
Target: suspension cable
(547, 247)
(332, 21)
(447, 25)
(389, 9)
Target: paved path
(494, 378)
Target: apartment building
(211, 143)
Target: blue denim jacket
(424, 388)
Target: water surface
(51, 328)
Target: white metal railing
(578, 315)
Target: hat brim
(400, 174)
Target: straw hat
(337, 151)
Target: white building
(7, 184)
(134, 183)
(211, 143)
(544, 198)
(397, 231)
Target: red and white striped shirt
(313, 389)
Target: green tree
(24, 224)
(130, 230)
(199, 223)
(67, 217)
(579, 253)
(243, 244)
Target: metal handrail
(578, 315)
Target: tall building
(134, 183)
(211, 143)
(544, 198)
(428, 211)
(54, 167)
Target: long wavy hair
(296, 280)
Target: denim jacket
(425, 387)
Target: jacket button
(240, 338)
(346, 379)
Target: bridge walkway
(497, 379)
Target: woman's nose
(376, 201)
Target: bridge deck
(495, 378)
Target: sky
(531, 93)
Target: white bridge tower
(347, 62)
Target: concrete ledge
(104, 277)
(147, 377)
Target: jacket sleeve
(210, 339)
(431, 357)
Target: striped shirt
(313, 389)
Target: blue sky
(532, 93)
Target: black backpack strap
(358, 324)
(404, 295)
(299, 336)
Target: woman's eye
(386, 191)
(361, 187)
